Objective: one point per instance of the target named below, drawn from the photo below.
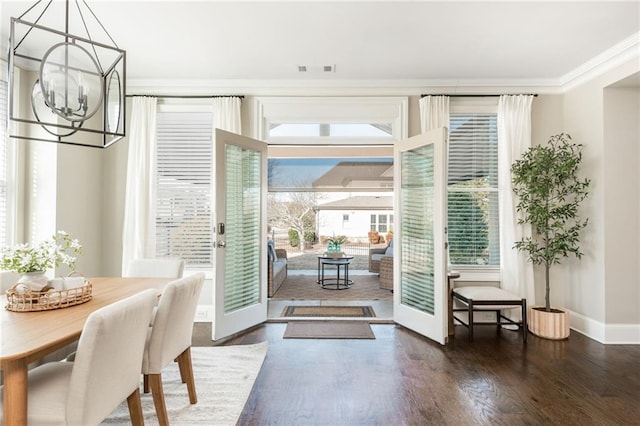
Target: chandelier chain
(93, 47)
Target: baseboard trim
(608, 334)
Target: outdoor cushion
(484, 293)
(389, 251)
(271, 252)
(278, 265)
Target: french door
(420, 263)
(239, 287)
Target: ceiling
(382, 43)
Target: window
(473, 189)
(327, 120)
(4, 240)
(381, 222)
(184, 182)
(345, 218)
(330, 130)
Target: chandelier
(75, 84)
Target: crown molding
(327, 87)
(625, 51)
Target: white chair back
(7, 280)
(106, 369)
(173, 323)
(156, 268)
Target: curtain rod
(188, 96)
(476, 95)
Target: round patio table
(336, 282)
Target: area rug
(224, 376)
(300, 287)
(328, 330)
(328, 311)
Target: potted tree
(549, 192)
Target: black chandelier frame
(30, 44)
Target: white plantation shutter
(473, 189)
(242, 227)
(184, 170)
(417, 236)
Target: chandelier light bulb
(68, 74)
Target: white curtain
(514, 138)
(226, 114)
(139, 233)
(434, 112)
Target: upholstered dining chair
(106, 370)
(169, 339)
(155, 268)
(8, 280)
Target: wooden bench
(492, 299)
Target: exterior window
(184, 179)
(4, 240)
(381, 222)
(331, 130)
(473, 190)
(345, 218)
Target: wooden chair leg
(155, 380)
(145, 383)
(135, 408)
(184, 361)
(183, 373)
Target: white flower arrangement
(50, 253)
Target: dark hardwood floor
(401, 378)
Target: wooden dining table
(29, 336)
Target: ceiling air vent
(316, 69)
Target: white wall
(114, 175)
(79, 202)
(622, 204)
(330, 223)
(592, 281)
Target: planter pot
(36, 280)
(549, 325)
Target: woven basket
(386, 273)
(20, 298)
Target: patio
(307, 262)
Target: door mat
(328, 311)
(328, 330)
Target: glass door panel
(420, 257)
(239, 293)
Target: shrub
(310, 237)
(294, 238)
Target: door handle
(222, 244)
